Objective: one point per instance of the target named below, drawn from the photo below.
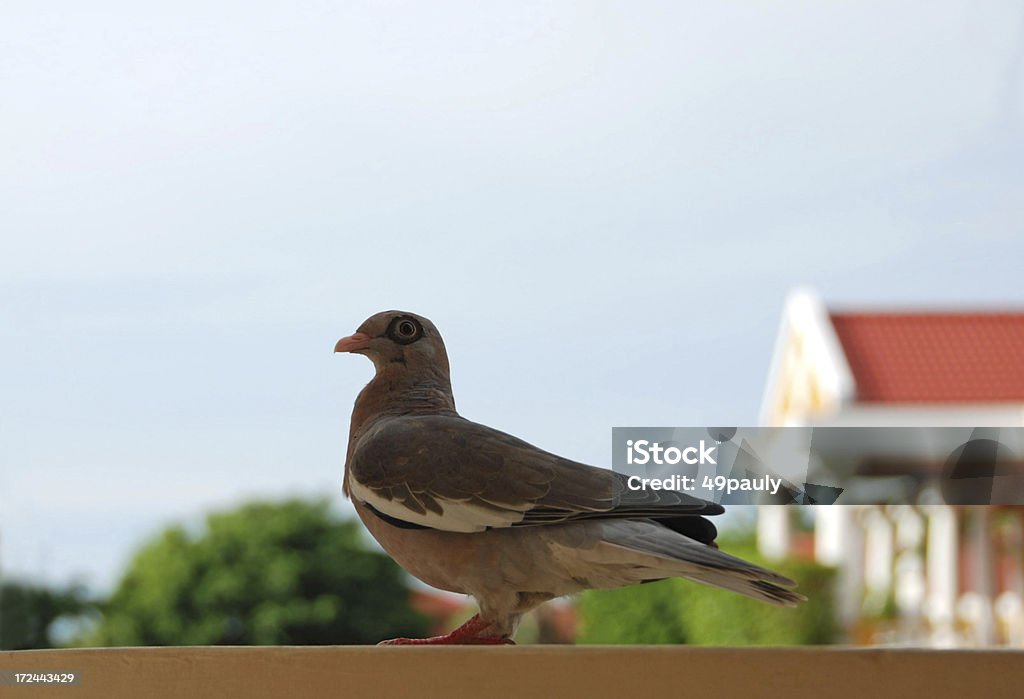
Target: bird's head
(398, 341)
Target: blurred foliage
(681, 611)
(265, 573)
(27, 611)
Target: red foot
(448, 641)
(467, 634)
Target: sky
(601, 205)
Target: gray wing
(452, 474)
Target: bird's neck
(395, 393)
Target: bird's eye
(405, 330)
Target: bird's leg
(467, 634)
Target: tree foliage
(265, 573)
(680, 611)
(28, 610)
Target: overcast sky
(601, 205)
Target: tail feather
(676, 555)
(756, 589)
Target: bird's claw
(449, 641)
(469, 634)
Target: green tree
(680, 611)
(265, 573)
(27, 611)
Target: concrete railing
(634, 672)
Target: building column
(851, 565)
(774, 531)
(839, 542)
(878, 552)
(984, 573)
(1009, 606)
(831, 530)
(910, 586)
(942, 571)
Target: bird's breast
(440, 559)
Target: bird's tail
(668, 554)
(763, 590)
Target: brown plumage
(469, 509)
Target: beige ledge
(633, 672)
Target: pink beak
(353, 343)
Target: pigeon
(472, 510)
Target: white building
(934, 574)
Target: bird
(470, 509)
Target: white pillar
(909, 527)
(878, 552)
(839, 542)
(831, 531)
(984, 575)
(1015, 549)
(911, 586)
(851, 571)
(1009, 610)
(774, 535)
(942, 570)
(1009, 606)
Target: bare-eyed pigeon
(470, 509)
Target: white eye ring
(405, 331)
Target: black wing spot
(696, 528)
(393, 521)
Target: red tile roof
(934, 357)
